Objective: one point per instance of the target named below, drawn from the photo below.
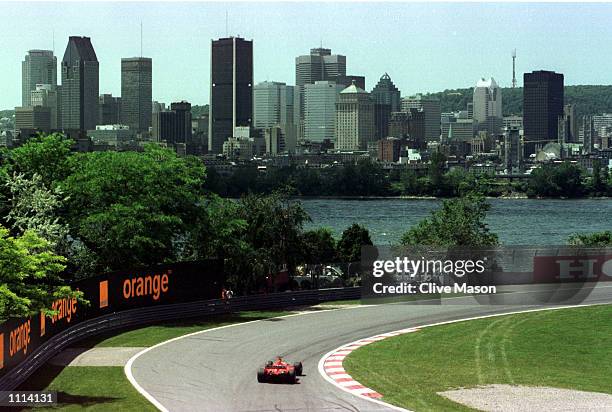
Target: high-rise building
(137, 93)
(487, 106)
(513, 150)
(542, 106)
(173, 126)
(386, 101)
(354, 119)
(274, 140)
(410, 124)
(80, 85)
(431, 107)
(46, 95)
(273, 106)
(319, 65)
(109, 109)
(320, 110)
(231, 89)
(38, 67)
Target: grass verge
(567, 348)
(107, 388)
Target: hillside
(588, 99)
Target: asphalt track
(216, 370)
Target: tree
(45, 155)
(459, 222)
(598, 239)
(319, 246)
(349, 245)
(29, 275)
(35, 207)
(130, 208)
(550, 180)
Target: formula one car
(279, 371)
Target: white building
(354, 119)
(273, 106)
(320, 110)
(487, 101)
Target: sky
(423, 47)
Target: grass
(107, 388)
(153, 334)
(568, 348)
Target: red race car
(279, 371)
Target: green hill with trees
(588, 99)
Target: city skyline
(446, 45)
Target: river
(516, 221)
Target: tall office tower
(431, 107)
(273, 106)
(231, 89)
(588, 134)
(109, 109)
(137, 93)
(38, 67)
(320, 110)
(46, 95)
(319, 65)
(409, 124)
(386, 101)
(354, 119)
(174, 125)
(487, 106)
(542, 106)
(80, 85)
(513, 152)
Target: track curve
(215, 370)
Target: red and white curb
(332, 370)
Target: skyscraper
(319, 65)
(542, 106)
(354, 119)
(38, 67)
(231, 89)
(273, 106)
(487, 108)
(320, 110)
(386, 100)
(136, 93)
(173, 126)
(109, 109)
(80, 85)
(431, 107)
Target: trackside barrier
(151, 314)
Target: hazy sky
(423, 47)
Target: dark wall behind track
(112, 292)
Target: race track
(216, 370)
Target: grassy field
(107, 388)
(567, 348)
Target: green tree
(45, 155)
(132, 209)
(459, 222)
(598, 239)
(29, 275)
(319, 246)
(351, 241)
(551, 180)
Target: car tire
(298, 368)
(269, 363)
(261, 375)
(291, 377)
